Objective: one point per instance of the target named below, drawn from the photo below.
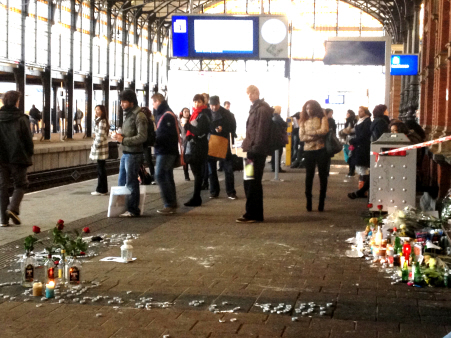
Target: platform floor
(202, 254)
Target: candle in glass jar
(50, 290)
(37, 289)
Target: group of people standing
(359, 133)
(172, 135)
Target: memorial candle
(37, 289)
(50, 290)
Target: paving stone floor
(202, 254)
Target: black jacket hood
(8, 114)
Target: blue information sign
(404, 64)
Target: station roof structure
(391, 13)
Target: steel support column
(46, 77)
(89, 87)
(106, 81)
(70, 74)
(20, 72)
(55, 118)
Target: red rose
(60, 226)
(82, 253)
(86, 230)
(379, 206)
(370, 205)
(36, 229)
(60, 221)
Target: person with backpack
(166, 152)
(15, 156)
(282, 135)
(134, 134)
(150, 142)
(35, 117)
(99, 149)
(313, 127)
(78, 117)
(258, 127)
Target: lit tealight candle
(37, 289)
(50, 290)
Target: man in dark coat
(166, 152)
(258, 127)
(222, 124)
(15, 156)
(35, 117)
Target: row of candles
(49, 289)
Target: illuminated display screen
(215, 37)
(404, 65)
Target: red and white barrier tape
(414, 146)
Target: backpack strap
(176, 125)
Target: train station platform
(58, 153)
(199, 261)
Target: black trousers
(148, 158)
(198, 169)
(186, 171)
(315, 158)
(102, 178)
(254, 189)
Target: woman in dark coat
(348, 133)
(361, 148)
(380, 124)
(197, 128)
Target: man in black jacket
(258, 127)
(222, 124)
(15, 156)
(166, 152)
(35, 117)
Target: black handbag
(237, 163)
(333, 145)
(191, 151)
(113, 151)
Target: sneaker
(213, 196)
(233, 196)
(4, 225)
(166, 211)
(245, 220)
(95, 193)
(14, 217)
(127, 214)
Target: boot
(322, 197)
(309, 201)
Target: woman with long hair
(148, 147)
(313, 127)
(99, 149)
(184, 117)
(197, 129)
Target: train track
(55, 178)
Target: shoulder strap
(176, 124)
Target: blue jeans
(229, 177)
(164, 175)
(128, 176)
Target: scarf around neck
(194, 116)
